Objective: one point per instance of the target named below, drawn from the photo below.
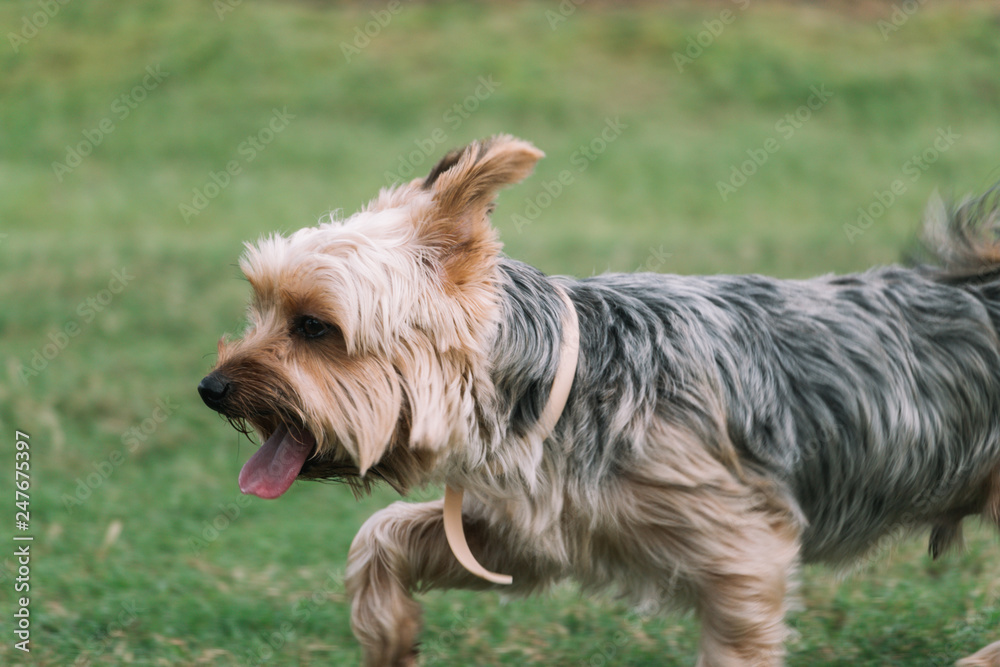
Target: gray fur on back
(874, 398)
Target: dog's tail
(961, 241)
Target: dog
(685, 441)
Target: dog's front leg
(403, 548)
(380, 576)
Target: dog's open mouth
(273, 467)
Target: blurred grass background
(145, 552)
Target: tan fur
(428, 257)
(403, 549)
(459, 228)
(725, 546)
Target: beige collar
(561, 385)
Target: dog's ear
(464, 185)
(446, 163)
(471, 176)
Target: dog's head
(364, 335)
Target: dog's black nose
(214, 388)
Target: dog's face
(364, 335)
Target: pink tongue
(273, 467)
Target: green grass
(268, 580)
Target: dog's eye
(310, 327)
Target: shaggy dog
(686, 440)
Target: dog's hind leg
(987, 657)
(402, 549)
